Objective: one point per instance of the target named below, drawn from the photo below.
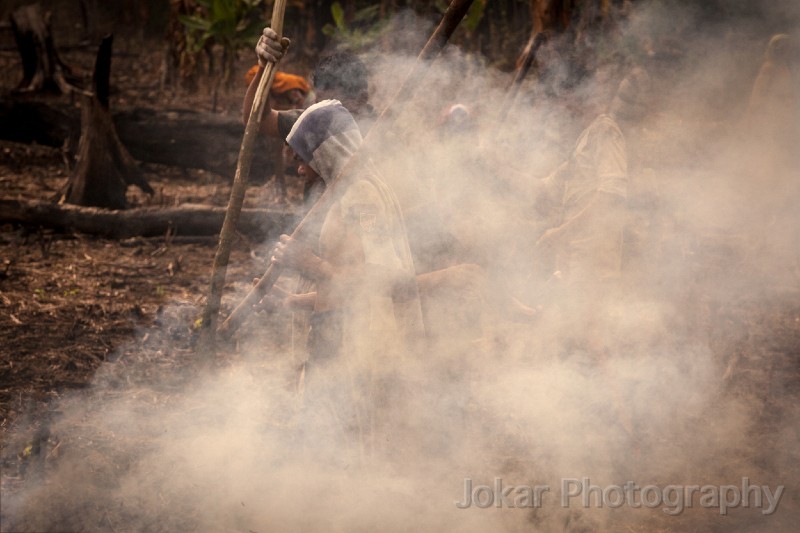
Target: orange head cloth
(282, 83)
(286, 82)
(248, 78)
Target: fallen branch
(524, 63)
(175, 137)
(188, 219)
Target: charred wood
(190, 139)
(42, 68)
(35, 121)
(180, 138)
(104, 168)
(187, 219)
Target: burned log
(187, 219)
(104, 168)
(190, 139)
(42, 68)
(181, 138)
(36, 121)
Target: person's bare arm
(601, 204)
(269, 123)
(269, 49)
(296, 255)
(301, 302)
(280, 300)
(349, 270)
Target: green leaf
(253, 30)
(338, 16)
(474, 15)
(194, 45)
(194, 22)
(223, 10)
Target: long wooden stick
(525, 62)
(251, 134)
(452, 17)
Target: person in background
(288, 92)
(589, 191)
(363, 306)
(340, 75)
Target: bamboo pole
(239, 186)
(524, 63)
(452, 17)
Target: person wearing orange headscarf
(289, 91)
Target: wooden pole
(227, 234)
(537, 39)
(452, 17)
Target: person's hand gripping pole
(270, 50)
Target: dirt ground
(71, 301)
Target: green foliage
(367, 26)
(230, 24)
(234, 24)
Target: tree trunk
(551, 15)
(104, 167)
(42, 69)
(187, 219)
(89, 19)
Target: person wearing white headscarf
(365, 312)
